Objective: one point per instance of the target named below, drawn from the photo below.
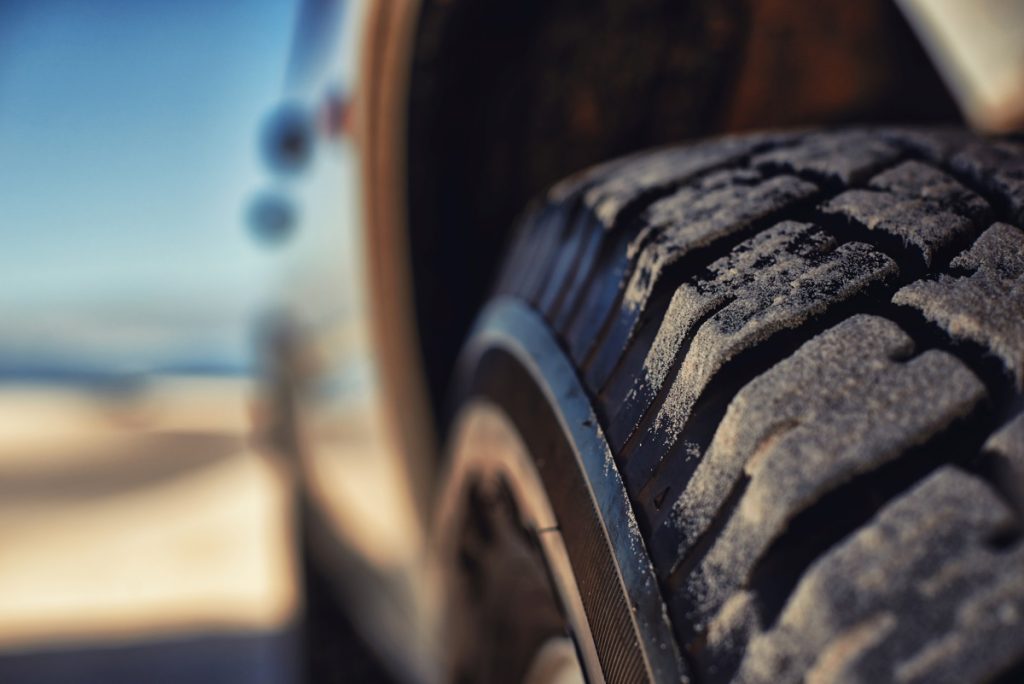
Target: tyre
(750, 410)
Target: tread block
(779, 252)
(720, 205)
(649, 172)
(541, 253)
(793, 453)
(916, 204)
(876, 607)
(774, 281)
(998, 167)
(572, 289)
(914, 223)
(1009, 441)
(935, 144)
(608, 192)
(976, 626)
(844, 157)
(598, 298)
(559, 276)
(916, 180)
(788, 297)
(1006, 448)
(985, 307)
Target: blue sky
(128, 151)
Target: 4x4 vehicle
(746, 408)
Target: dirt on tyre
(771, 386)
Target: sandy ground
(139, 517)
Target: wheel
(750, 410)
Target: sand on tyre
(765, 394)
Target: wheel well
(506, 98)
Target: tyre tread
(715, 298)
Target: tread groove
(628, 446)
(707, 414)
(694, 266)
(873, 190)
(849, 507)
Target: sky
(128, 154)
